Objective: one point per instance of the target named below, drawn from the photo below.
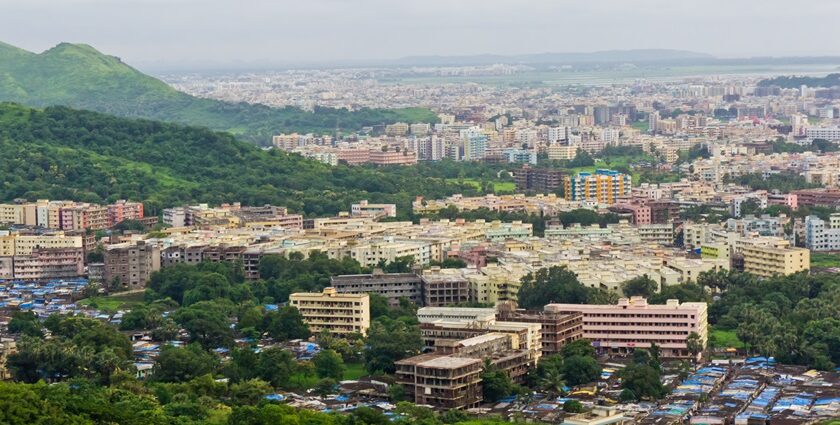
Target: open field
(498, 186)
(725, 338)
(824, 260)
(115, 302)
(353, 371)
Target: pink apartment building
(633, 323)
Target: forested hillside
(79, 76)
(61, 153)
(795, 82)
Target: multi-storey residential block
(365, 209)
(397, 129)
(49, 263)
(603, 186)
(556, 329)
(443, 287)
(558, 152)
(827, 133)
(17, 244)
(339, 314)
(131, 264)
(8, 346)
(662, 234)
(84, 216)
(520, 156)
(540, 180)
(633, 323)
(442, 381)
(822, 235)
(123, 210)
(774, 260)
(393, 286)
(818, 197)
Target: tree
(642, 381)
(207, 322)
(378, 306)
(25, 323)
(287, 323)
(328, 364)
(399, 265)
(547, 285)
(369, 416)
(249, 392)
(453, 416)
(396, 392)
(582, 159)
(580, 370)
(580, 347)
(547, 375)
(495, 384)
(388, 341)
(642, 286)
(572, 406)
(325, 387)
(627, 396)
(276, 366)
(694, 345)
(183, 364)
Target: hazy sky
(145, 32)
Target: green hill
(62, 153)
(79, 76)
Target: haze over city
(384, 212)
(207, 33)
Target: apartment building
(633, 323)
(393, 286)
(365, 209)
(827, 133)
(389, 249)
(123, 210)
(131, 264)
(84, 216)
(822, 235)
(818, 197)
(8, 347)
(443, 287)
(461, 314)
(496, 282)
(662, 234)
(340, 314)
(602, 186)
(397, 129)
(556, 329)
(445, 382)
(50, 263)
(539, 180)
(392, 157)
(558, 152)
(767, 261)
(21, 244)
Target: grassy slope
(112, 303)
(726, 338)
(79, 76)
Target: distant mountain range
(79, 76)
(608, 56)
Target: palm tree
(553, 381)
(695, 346)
